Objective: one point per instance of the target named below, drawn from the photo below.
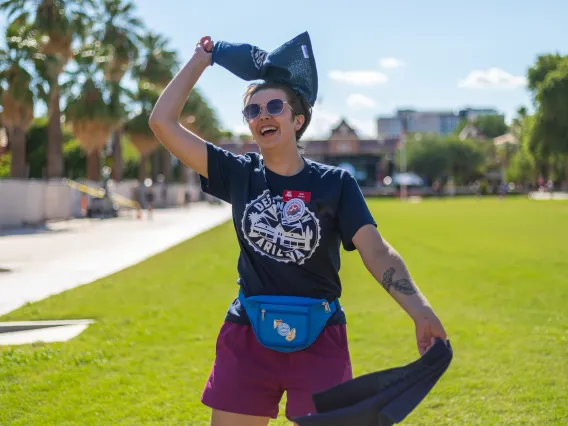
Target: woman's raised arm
(189, 148)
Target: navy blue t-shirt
(289, 228)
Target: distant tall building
(389, 127)
(435, 122)
(472, 113)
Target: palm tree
(154, 70)
(119, 34)
(88, 110)
(137, 128)
(57, 23)
(518, 121)
(18, 98)
(158, 63)
(198, 117)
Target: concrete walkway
(538, 195)
(35, 264)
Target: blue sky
(443, 50)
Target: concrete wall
(32, 202)
(165, 195)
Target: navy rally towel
(382, 398)
(292, 64)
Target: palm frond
(42, 92)
(13, 7)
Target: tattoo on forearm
(402, 285)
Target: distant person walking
(150, 202)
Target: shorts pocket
(337, 335)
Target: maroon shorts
(248, 378)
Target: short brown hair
(299, 105)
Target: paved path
(71, 253)
(537, 195)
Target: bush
(435, 157)
(5, 165)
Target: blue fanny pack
(287, 323)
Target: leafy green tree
(5, 164)
(36, 149)
(466, 160)
(548, 83)
(491, 126)
(428, 157)
(437, 157)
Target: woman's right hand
(203, 50)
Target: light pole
(404, 123)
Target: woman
(291, 215)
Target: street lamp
(404, 134)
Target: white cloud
(322, 123)
(359, 78)
(359, 101)
(366, 129)
(389, 63)
(241, 129)
(492, 78)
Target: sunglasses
(273, 107)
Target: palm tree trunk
(155, 162)
(183, 173)
(17, 138)
(94, 165)
(565, 185)
(142, 169)
(166, 166)
(54, 133)
(117, 163)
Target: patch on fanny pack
(284, 330)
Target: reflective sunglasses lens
(275, 106)
(251, 111)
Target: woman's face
(269, 130)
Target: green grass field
(495, 271)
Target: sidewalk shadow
(30, 230)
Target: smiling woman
(281, 97)
(291, 216)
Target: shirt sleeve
(225, 172)
(353, 212)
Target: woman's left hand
(428, 329)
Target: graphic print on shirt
(284, 231)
